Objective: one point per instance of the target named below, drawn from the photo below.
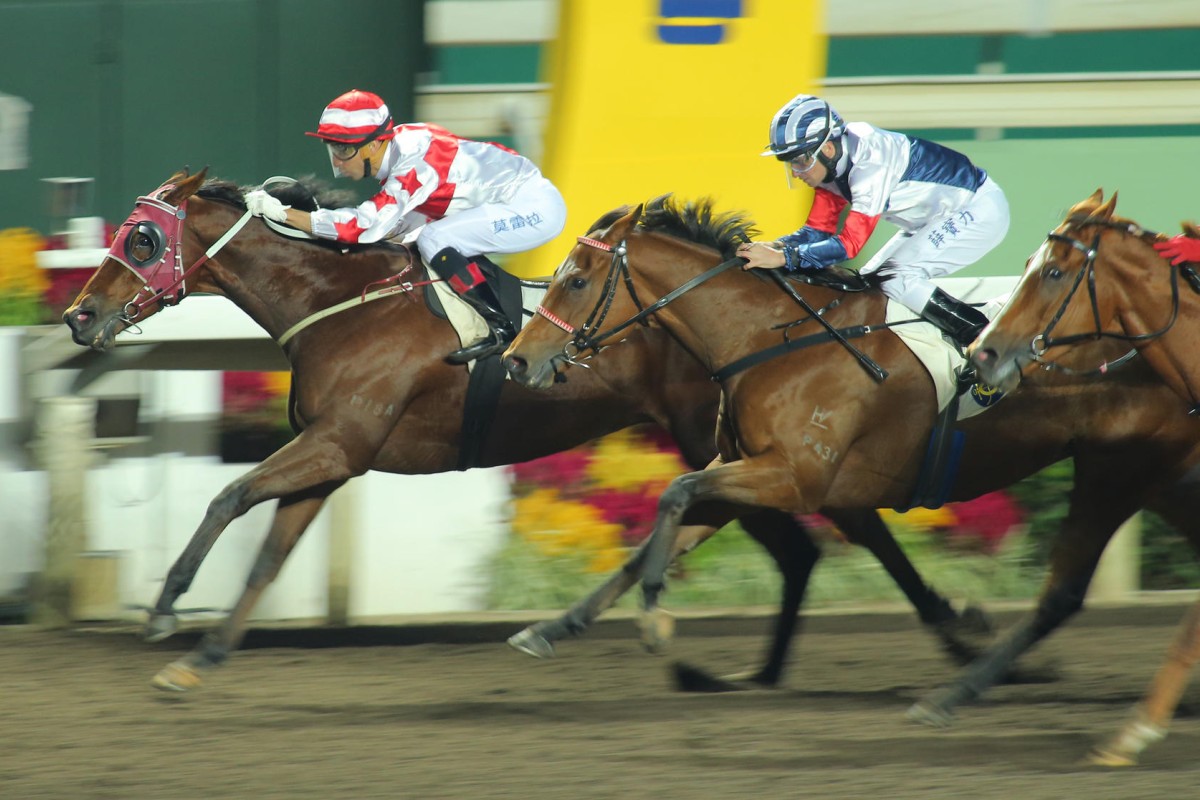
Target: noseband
(1041, 343)
(587, 336)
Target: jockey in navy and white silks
(950, 213)
(463, 197)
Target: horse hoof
(930, 714)
(531, 643)
(975, 620)
(159, 627)
(176, 677)
(1103, 757)
(658, 628)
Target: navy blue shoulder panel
(930, 162)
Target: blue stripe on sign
(702, 8)
(691, 34)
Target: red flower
(561, 470)
(988, 518)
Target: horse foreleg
(791, 546)
(963, 636)
(292, 518)
(1153, 714)
(538, 639)
(305, 462)
(1086, 532)
(224, 508)
(726, 490)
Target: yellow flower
(625, 461)
(19, 272)
(922, 519)
(277, 383)
(559, 527)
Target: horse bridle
(588, 337)
(1041, 343)
(164, 222)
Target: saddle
(837, 277)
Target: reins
(587, 338)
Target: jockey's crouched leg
(961, 322)
(469, 283)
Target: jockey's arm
(301, 220)
(818, 244)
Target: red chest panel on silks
(149, 241)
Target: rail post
(64, 429)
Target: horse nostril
(515, 365)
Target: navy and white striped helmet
(802, 126)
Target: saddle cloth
(466, 321)
(940, 358)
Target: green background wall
(129, 91)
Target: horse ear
(185, 186)
(1107, 209)
(622, 227)
(1097, 197)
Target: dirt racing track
(451, 712)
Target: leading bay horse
(812, 428)
(371, 391)
(1097, 277)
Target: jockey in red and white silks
(477, 197)
(463, 198)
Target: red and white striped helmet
(355, 117)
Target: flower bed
(576, 516)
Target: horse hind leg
(538, 639)
(292, 518)
(963, 636)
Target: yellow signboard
(657, 96)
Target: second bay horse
(371, 391)
(811, 429)
(1097, 277)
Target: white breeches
(535, 215)
(909, 261)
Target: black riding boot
(469, 283)
(961, 321)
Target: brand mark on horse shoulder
(819, 416)
(371, 407)
(823, 451)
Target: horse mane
(697, 221)
(307, 193)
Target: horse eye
(578, 283)
(1052, 272)
(142, 247)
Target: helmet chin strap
(830, 164)
(367, 171)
